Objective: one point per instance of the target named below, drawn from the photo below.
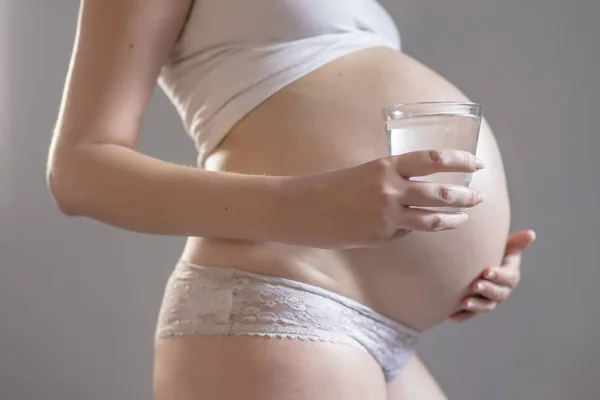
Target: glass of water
(434, 126)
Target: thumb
(519, 241)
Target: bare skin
(415, 381)
(418, 280)
(328, 139)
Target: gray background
(78, 300)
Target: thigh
(415, 383)
(260, 368)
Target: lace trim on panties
(211, 330)
(225, 301)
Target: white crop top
(233, 54)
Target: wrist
(283, 205)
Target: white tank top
(233, 54)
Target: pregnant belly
(332, 119)
(421, 278)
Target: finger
(512, 261)
(423, 194)
(503, 276)
(427, 162)
(491, 291)
(462, 316)
(478, 305)
(400, 233)
(519, 241)
(417, 219)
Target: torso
(330, 119)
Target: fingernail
(489, 274)
(481, 197)
(479, 287)
(470, 304)
(465, 216)
(533, 234)
(479, 163)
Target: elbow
(61, 190)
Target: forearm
(126, 189)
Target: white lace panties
(228, 301)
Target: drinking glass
(434, 126)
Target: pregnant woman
(306, 275)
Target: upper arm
(120, 48)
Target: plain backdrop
(78, 300)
